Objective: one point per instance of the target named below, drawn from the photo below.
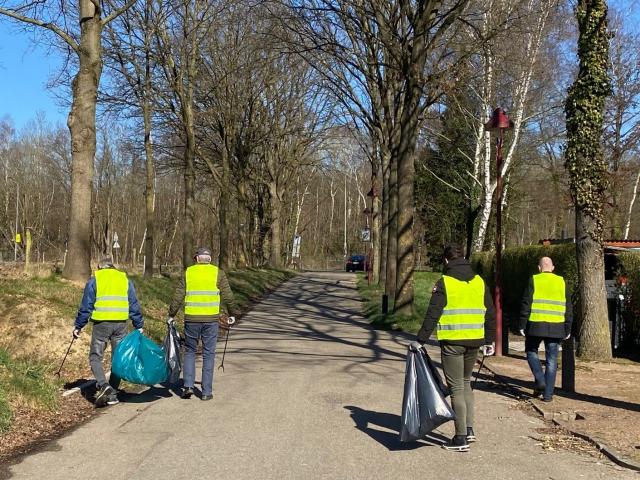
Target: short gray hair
(105, 262)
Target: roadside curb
(607, 451)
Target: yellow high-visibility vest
(463, 316)
(202, 296)
(549, 298)
(112, 296)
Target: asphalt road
(309, 391)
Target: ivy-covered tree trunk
(587, 169)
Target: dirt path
(309, 391)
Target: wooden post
(27, 254)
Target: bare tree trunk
(384, 230)
(275, 230)
(82, 126)
(406, 176)
(392, 230)
(376, 213)
(634, 195)
(594, 328)
(189, 189)
(224, 259)
(149, 192)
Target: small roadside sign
(116, 244)
(18, 238)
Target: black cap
(203, 251)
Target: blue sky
(25, 70)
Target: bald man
(546, 316)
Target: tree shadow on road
(389, 421)
(522, 389)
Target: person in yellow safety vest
(203, 290)
(546, 315)
(461, 311)
(109, 300)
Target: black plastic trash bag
(171, 347)
(424, 407)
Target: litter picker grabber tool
(73, 339)
(225, 324)
(478, 372)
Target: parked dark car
(356, 263)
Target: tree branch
(116, 13)
(49, 26)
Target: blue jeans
(546, 380)
(193, 331)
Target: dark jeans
(102, 333)
(193, 331)
(457, 364)
(546, 380)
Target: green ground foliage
(27, 381)
(518, 264)
(372, 294)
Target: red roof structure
(607, 243)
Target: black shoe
(186, 393)
(547, 400)
(206, 397)
(113, 399)
(458, 444)
(538, 391)
(471, 436)
(104, 395)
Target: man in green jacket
(545, 316)
(201, 290)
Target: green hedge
(518, 264)
(629, 266)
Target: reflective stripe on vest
(463, 316)
(112, 297)
(202, 296)
(549, 298)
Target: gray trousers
(457, 364)
(104, 332)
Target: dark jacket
(228, 302)
(460, 269)
(544, 329)
(89, 299)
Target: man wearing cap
(109, 300)
(202, 290)
(545, 316)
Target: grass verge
(372, 294)
(27, 382)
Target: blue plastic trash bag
(137, 359)
(424, 407)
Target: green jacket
(228, 302)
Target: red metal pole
(498, 293)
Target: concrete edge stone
(609, 452)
